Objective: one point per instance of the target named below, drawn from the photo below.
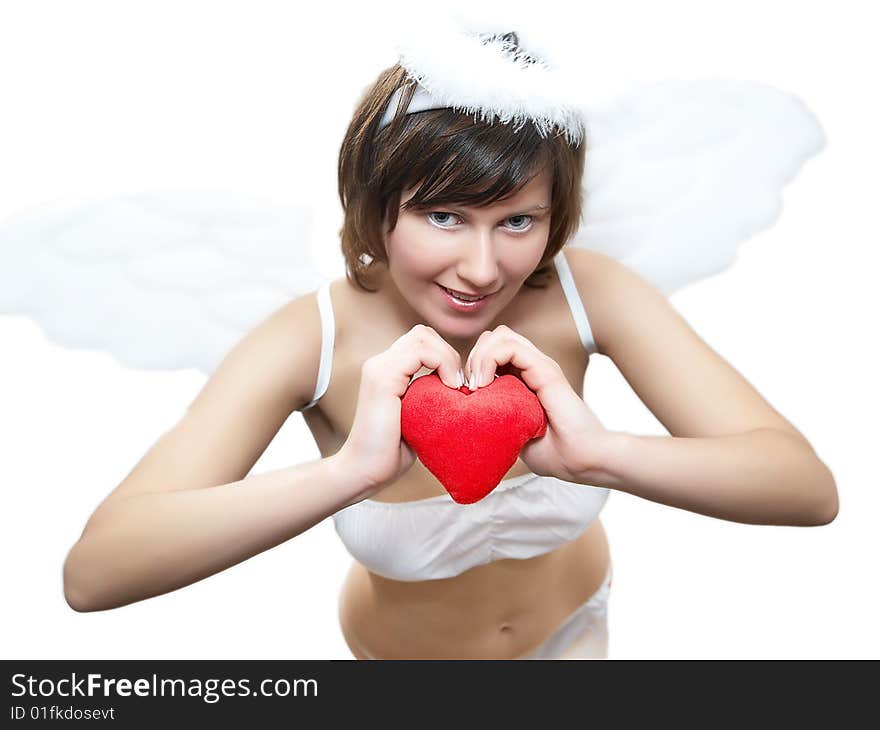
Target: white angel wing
(160, 280)
(679, 173)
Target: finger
(482, 367)
(535, 368)
(454, 362)
(479, 345)
(393, 369)
(424, 347)
(450, 370)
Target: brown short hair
(454, 159)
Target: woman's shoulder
(601, 282)
(352, 306)
(585, 262)
(620, 303)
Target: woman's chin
(457, 334)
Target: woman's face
(487, 251)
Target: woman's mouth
(462, 302)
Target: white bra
(433, 538)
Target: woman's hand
(575, 439)
(375, 450)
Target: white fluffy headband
(487, 73)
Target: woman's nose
(477, 263)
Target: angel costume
(678, 174)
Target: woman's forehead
(536, 191)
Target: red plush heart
(470, 439)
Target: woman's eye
(444, 220)
(441, 223)
(524, 222)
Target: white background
(108, 97)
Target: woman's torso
(499, 610)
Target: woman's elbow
(811, 492)
(828, 513)
(74, 593)
(75, 600)
(828, 501)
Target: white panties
(584, 634)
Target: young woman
(453, 238)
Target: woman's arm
(762, 477)
(730, 454)
(188, 508)
(148, 544)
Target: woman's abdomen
(495, 611)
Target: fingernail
(460, 377)
(474, 382)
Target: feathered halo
(482, 70)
